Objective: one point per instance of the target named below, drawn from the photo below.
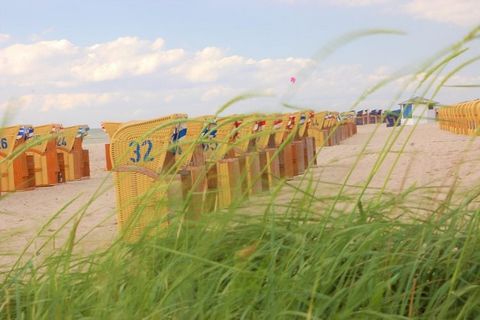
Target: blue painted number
(4, 143)
(137, 151)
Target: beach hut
(16, 168)
(418, 109)
(45, 157)
(73, 159)
(110, 128)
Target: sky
(86, 61)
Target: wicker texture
(139, 151)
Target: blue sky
(88, 61)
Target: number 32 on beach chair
(139, 155)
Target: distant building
(418, 109)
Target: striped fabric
(82, 131)
(25, 132)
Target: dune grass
(299, 259)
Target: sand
(427, 158)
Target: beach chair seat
(139, 154)
(44, 153)
(75, 160)
(16, 168)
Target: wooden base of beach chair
(198, 156)
(194, 189)
(24, 172)
(328, 137)
(250, 173)
(309, 152)
(229, 182)
(270, 168)
(46, 167)
(61, 167)
(298, 153)
(108, 159)
(85, 164)
(286, 162)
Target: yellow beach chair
(190, 162)
(245, 150)
(45, 157)
(110, 128)
(16, 168)
(139, 154)
(265, 146)
(73, 159)
(316, 130)
(224, 168)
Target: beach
(424, 157)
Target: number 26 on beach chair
(16, 168)
(73, 160)
(44, 154)
(139, 156)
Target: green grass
(271, 266)
(302, 258)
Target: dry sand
(430, 159)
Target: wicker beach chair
(223, 167)
(139, 152)
(268, 153)
(16, 168)
(44, 154)
(73, 159)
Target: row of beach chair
(209, 163)
(41, 156)
(462, 118)
(368, 117)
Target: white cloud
(4, 37)
(62, 82)
(128, 56)
(28, 59)
(208, 64)
(460, 12)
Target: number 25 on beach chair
(44, 154)
(73, 160)
(139, 153)
(110, 128)
(16, 168)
